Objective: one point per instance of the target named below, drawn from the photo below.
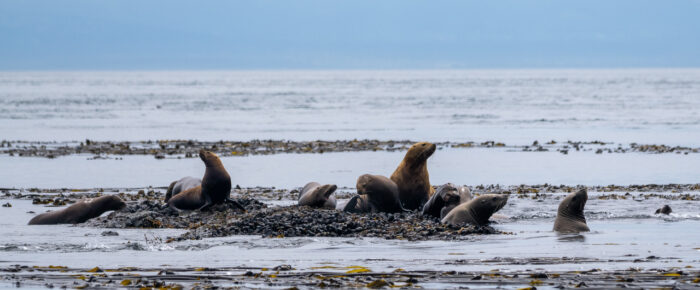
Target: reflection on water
(571, 237)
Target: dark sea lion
(570, 218)
(411, 176)
(376, 193)
(80, 211)
(664, 210)
(446, 198)
(181, 185)
(476, 211)
(215, 188)
(316, 195)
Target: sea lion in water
(411, 176)
(215, 188)
(570, 218)
(376, 193)
(476, 211)
(664, 210)
(80, 211)
(315, 195)
(446, 198)
(181, 185)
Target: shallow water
(459, 166)
(512, 106)
(622, 231)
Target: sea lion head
(209, 158)
(327, 190)
(419, 153)
(382, 193)
(449, 194)
(322, 193)
(573, 204)
(372, 185)
(484, 206)
(113, 202)
(664, 210)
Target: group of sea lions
(407, 189)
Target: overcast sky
(356, 34)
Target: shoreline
(286, 276)
(161, 149)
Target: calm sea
(516, 106)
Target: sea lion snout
(203, 154)
(363, 181)
(426, 149)
(579, 200)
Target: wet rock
(109, 233)
(296, 221)
(7, 204)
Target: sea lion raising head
(376, 193)
(80, 211)
(445, 198)
(316, 195)
(215, 188)
(411, 176)
(570, 218)
(476, 211)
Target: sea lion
(664, 210)
(476, 211)
(570, 218)
(411, 176)
(215, 188)
(376, 193)
(80, 211)
(315, 195)
(181, 185)
(446, 198)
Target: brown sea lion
(570, 218)
(664, 210)
(446, 198)
(315, 195)
(181, 185)
(376, 193)
(215, 188)
(80, 211)
(476, 211)
(411, 176)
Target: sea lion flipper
(351, 206)
(169, 193)
(235, 203)
(206, 206)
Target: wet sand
(286, 276)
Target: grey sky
(93, 34)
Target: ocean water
(514, 106)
